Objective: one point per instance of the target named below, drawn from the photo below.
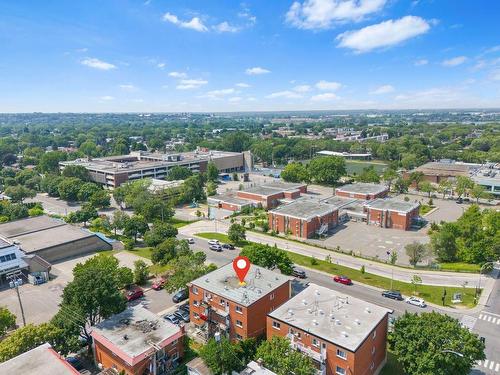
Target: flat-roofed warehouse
(362, 190)
(439, 171)
(51, 239)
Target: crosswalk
(489, 365)
(490, 318)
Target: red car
(133, 294)
(342, 279)
(158, 284)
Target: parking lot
(41, 302)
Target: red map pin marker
(241, 266)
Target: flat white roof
(362, 188)
(332, 316)
(259, 282)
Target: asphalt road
(485, 323)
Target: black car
(297, 272)
(180, 296)
(182, 315)
(393, 294)
(185, 307)
(228, 246)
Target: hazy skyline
(164, 56)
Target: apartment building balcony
(297, 345)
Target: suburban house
(343, 335)
(220, 305)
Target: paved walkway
(440, 278)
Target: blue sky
(166, 55)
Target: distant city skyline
(224, 56)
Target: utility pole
(13, 278)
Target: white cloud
(421, 62)
(225, 27)
(243, 85)
(194, 24)
(385, 34)
(97, 64)
(128, 87)
(107, 98)
(455, 61)
(188, 84)
(324, 97)
(322, 14)
(382, 90)
(327, 85)
(284, 94)
(302, 88)
(256, 71)
(495, 75)
(214, 94)
(177, 75)
(235, 99)
(160, 65)
(247, 15)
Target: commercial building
(440, 171)
(40, 360)
(361, 190)
(51, 239)
(11, 259)
(343, 335)
(220, 305)
(138, 342)
(303, 218)
(392, 213)
(115, 170)
(229, 201)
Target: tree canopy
(268, 257)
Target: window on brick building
(239, 337)
(341, 354)
(271, 297)
(373, 350)
(340, 370)
(239, 323)
(315, 343)
(196, 302)
(195, 290)
(238, 309)
(374, 334)
(222, 302)
(276, 325)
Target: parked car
(159, 283)
(75, 363)
(185, 307)
(342, 280)
(172, 318)
(190, 240)
(215, 247)
(416, 301)
(134, 293)
(297, 272)
(182, 315)
(393, 294)
(228, 246)
(180, 296)
(213, 242)
(460, 201)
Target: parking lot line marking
(491, 365)
(486, 363)
(480, 316)
(497, 367)
(489, 318)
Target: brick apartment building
(138, 342)
(392, 213)
(341, 334)
(303, 218)
(219, 304)
(363, 191)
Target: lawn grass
(425, 208)
(460, 267)
(178, 223)
(144, 252)
(221, 237)
(392, 367)
(430, 293)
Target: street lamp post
(452, 352)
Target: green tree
(389, 176)
(443, 242)
(125, 277)
(50, 185)
(185, 268)
(120, 218)
(279, 357)
(401, 185)
(477, 192)
(268, 257)
(426, 343)
(416, 252)
(159, 233)
(211, 188)
(212, 172)
(416, 178)
(169, 249)
(88, 148)
(141, 272)
(178, 173)
(427, 187)
(69, 188)
(192, 189)
(84, 215)
(368, 174)
(236, 233)
(415, 281)
(327, 169)
(49, 161)
(462, 185)
(29, 337)
(86, 190)
(92, 296)
(295, 172)
(135, 226)
(221, 357)
(7, 320)
(154, 209)
(100, 199)
(18, 193)
(77, 171)
(444, 187)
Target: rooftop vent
(290, 312)
(338, 322)
(357, 321)
(344, 334)
(304, 302)
(321, 312)
(125, 337)
(367, 310)
(206, 280)
(315, 322)
(309, 311)
(316, 292)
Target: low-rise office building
(138, 342)
(40, 360)
(303, 218)
(392, 213)
(361, 190)
(220, 305)
(436, 172)
(113, 171)
(343, 335)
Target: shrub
(314, 261)
(128, 244)
(362, 269)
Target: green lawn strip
(145, 252)
(392, 367)
(425, 208)
(430, 293)
(178, 223)
(460, 267)
(221, 237)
